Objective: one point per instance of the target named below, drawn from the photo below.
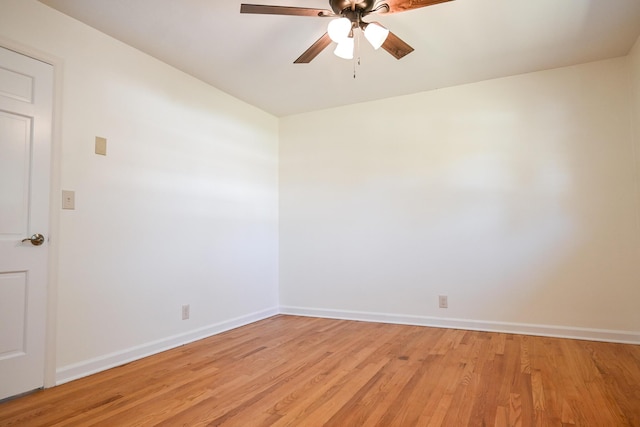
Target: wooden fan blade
(396, 6)
(396, 46)
(283, 10)
(314, 50)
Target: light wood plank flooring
(296, 371)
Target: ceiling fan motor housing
(362, 6)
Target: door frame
(55, 201)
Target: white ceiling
(462, 41)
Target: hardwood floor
(296, 371)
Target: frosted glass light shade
(339, 29)
(376, 34)
(344, 49)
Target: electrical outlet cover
(443, 301)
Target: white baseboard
(102, 363)
(624, 337)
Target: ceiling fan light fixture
(344, 49)
(376, 34)
(339, 29)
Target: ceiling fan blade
(283, 10)
(396, 46)
(396, 6)
(314, 50)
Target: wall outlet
(185, 312)
(443, 301)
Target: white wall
(634, 58)
(182, 210)
(515, 197)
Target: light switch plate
(68, 199)
(101, 146)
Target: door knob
(36, 240)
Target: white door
(26, 93)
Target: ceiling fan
(349, 14)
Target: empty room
(328, 212)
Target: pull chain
(356, 56)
